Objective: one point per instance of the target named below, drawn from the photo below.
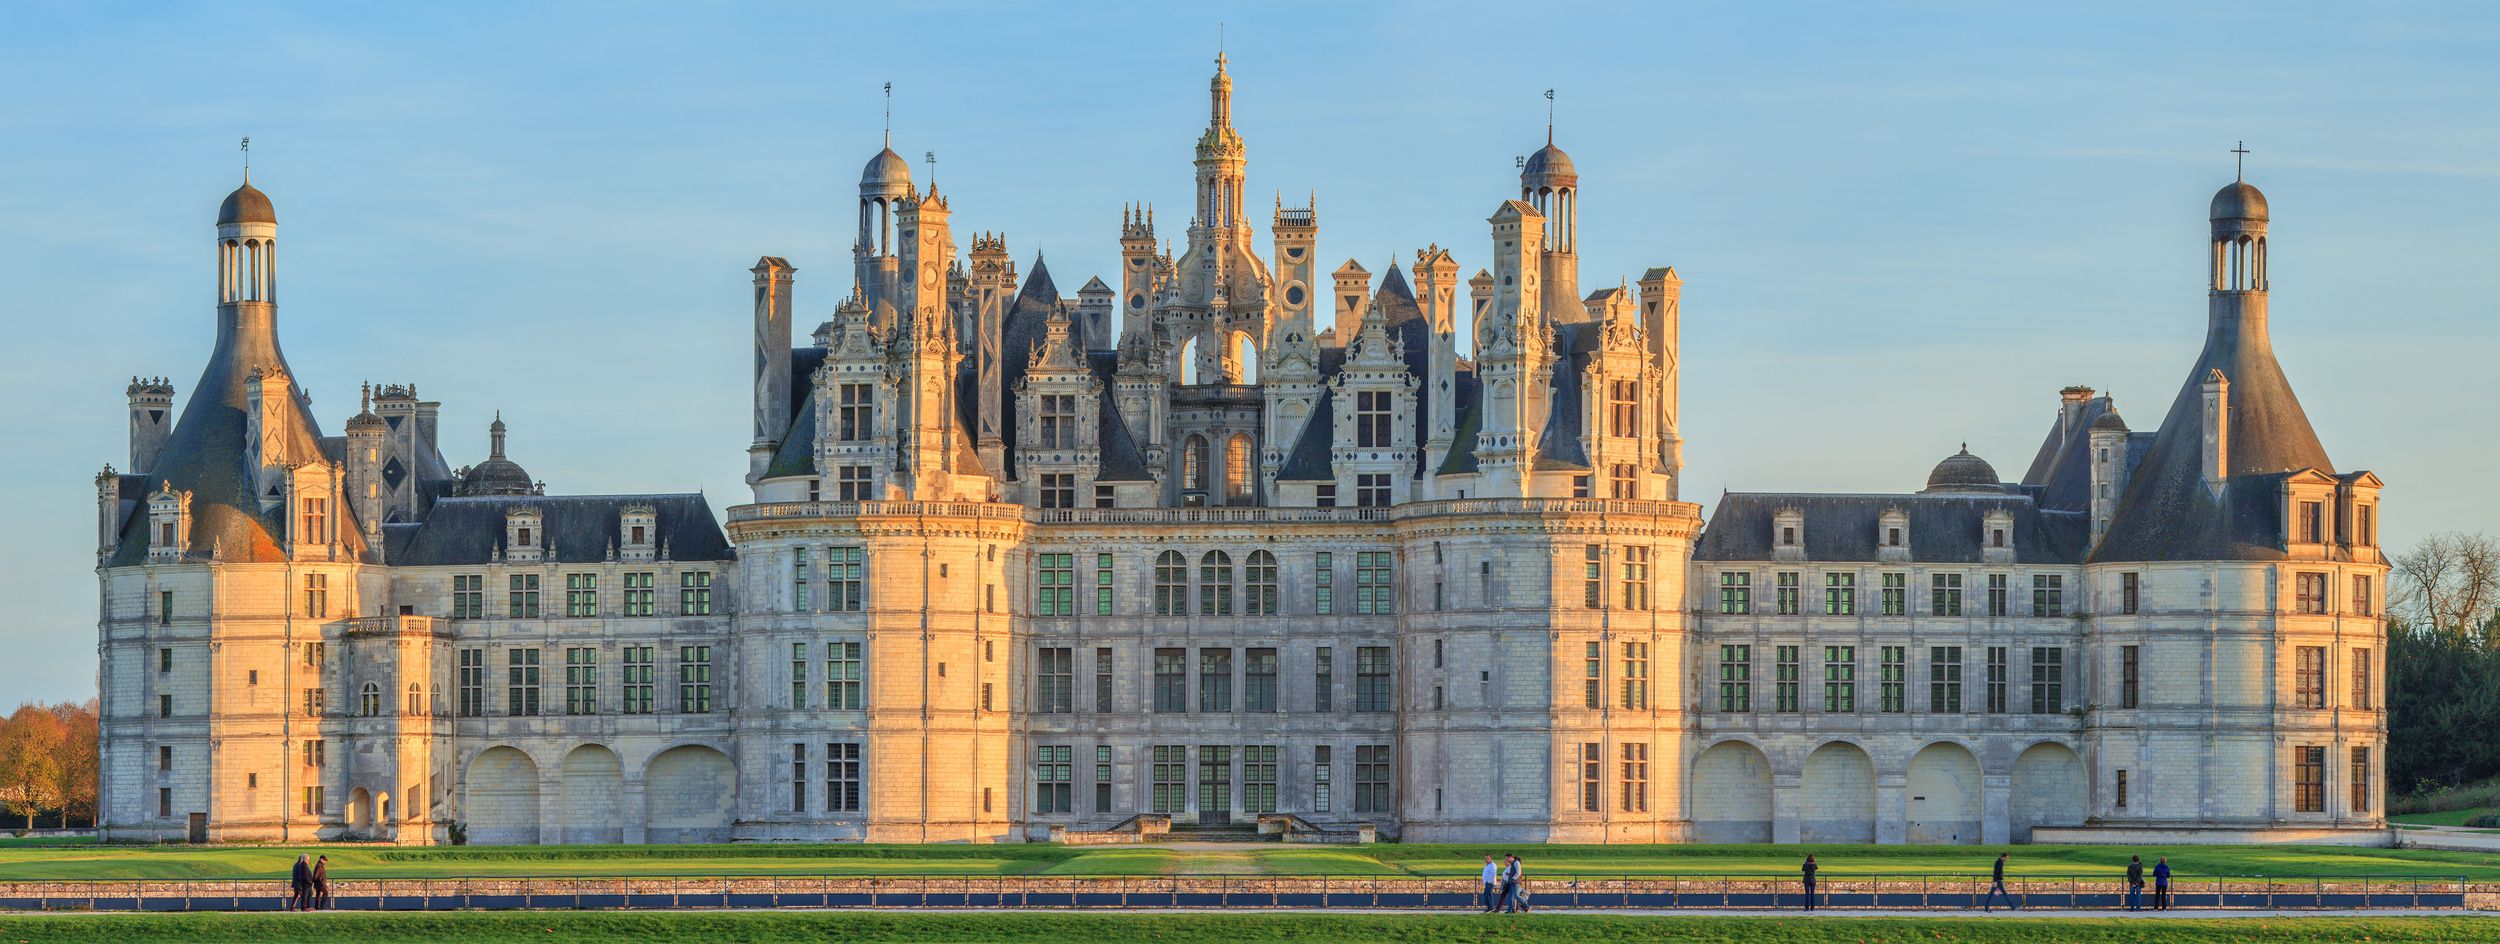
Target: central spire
(1220, 89)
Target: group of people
(1996, 883)
(309, 888)
(1501, 885)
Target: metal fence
(1242, 892)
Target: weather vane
(1549, 117)
(2239, 162)
(889, 114)
(247, 158)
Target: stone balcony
(1239, 515)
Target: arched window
(1171, 584)
(369, 703)
(1259, 590)
(1215, 584)
(1194, 464)
(1237, 456)
(416, 699)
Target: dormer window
(1996, 537)
(1892, 537)
(638, 535)
(524, 533)
(2312, 522)
(637, 523)
(316, 519)
(521, 538)
(2364, 526)
(1788, 537)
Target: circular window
(1137, 302)
(1293, 295)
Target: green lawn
(852, 928)
(2443, 817)
(92, 861)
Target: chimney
(1354, 288)
(2109, 470)
(2217, 430)
(151, 421)
(2071, 402)
(773, 276)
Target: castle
(1018, 567)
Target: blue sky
(1901, 227)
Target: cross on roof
(2239, 162)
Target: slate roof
(797, 453)
(1462, 457)
(1944, 528)
(1311, 459)
(1122, 461)
(581, 528)
(1027, 322)
(1559, 446)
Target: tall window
(846, 578)
(317, 596)
(853, 483)
(1058, 421)
(1055, 578)
(1593, 677)
(2309, 684)
(1840, 678)
(2130, 685)
(1593, 578)
(1171, 680)
(2360, 780)
(1194, 470)
(2361, 599)
(1215, 779)
(1171, 584)
(2366, 531)
(521, 682)
(2048, 595)
(1259, 584)
(1944, 594)
(1944, 679)
(694, 679)
(581, 594)
(1997, 681)
(1636, 676)
(1735, 591)
(1052, 780)
(1258, 680)
(1324, 679)
(1258, 779)
(1215, 680)
(855, 413)
(1735, 678)
(1323, 583)
(2312, 522)
(842, 677)
(1840, 594)
(581, 678)
(524, 597)
(1371, 419)
(1321, 782)
(638, 594)
(1896, 594)
(1371, 490)
(1635, 777)
(472, 682)
(1102, 680)
(1892, 678)
(1787, 680)
(1789, 593)
(842, 778)
(1215, 584)
(316, 515)
(2311, 590)
(1371, 678)
(1238, 456)
(1997, 594)
(801, 580)
(1636, 577)
(2048, 680)
(1058, 490)
(2309, 779)
(2361, 680)
(1102, 778)
(1592, 776)
(1372, 590)
(2130, 592)
(1170, 775)
(694, 593)
(1371, 778)
(636, 683)
(1102, 585)
(1054, 681)
(468, 596)
(1623, 408)
(368, 701)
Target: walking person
(299, 884)
(2161, 884)
(1808, 871)
(2135, 883)
(321, 883)
(1514, 897)
(1492, 883)
(1996, 887)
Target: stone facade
(1013, 566)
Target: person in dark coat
(2135, 883)
(299, 884)
(1514, 898)
(321, 883)
(1996, 887)
(1808, 871)
(2161, 884)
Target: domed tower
(497, 475)
(883, 186)
(1548, 182)
(1964, 473)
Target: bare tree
(2449, 583)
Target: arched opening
(2047, 790)
(1944, 796)
(1245, 351)
(1188, 364)
(1239, 474)
(1838, 803)
(499, 797)
(369, 701)
(689, 795)
(593, 787)
(359, 811)
(1194, 461)
(1731, 794)
(1215, 584)
(382, 819)
(416, 699)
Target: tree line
(48, 763)
(2443, 664)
